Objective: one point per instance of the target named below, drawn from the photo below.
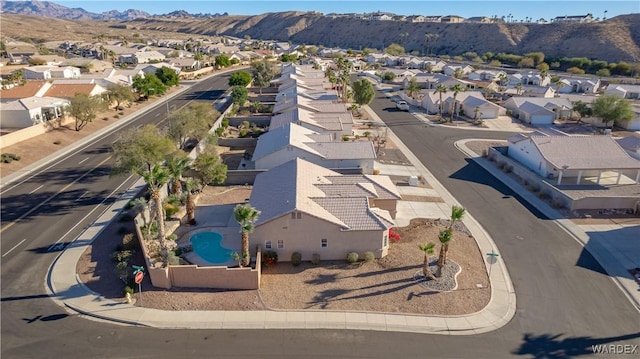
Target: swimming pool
(208, 245)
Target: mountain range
(50, 9)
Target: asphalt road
(565, 303)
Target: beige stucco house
(309, 209)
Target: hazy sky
(519, 9)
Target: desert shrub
(170, 210)
(345, 138)
(394, 235)
(57, 142)
(376, 171)
(121, 113)
(296, 258)
(172, 259)
(121, 256)
(105, 118)
(270, 258)
(243, 132)
(225, 122)
(369, 256)
(116, 116)
(352, 257)
(177, 252)
(9, 157)
(128, 290)
(315, 259)
(219, 131)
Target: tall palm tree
(441, 89)
(457, 88)
(156, 178)
(444, 237)
(457, 213)
(246, 216)
(427, 248)
(519, 88)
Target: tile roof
(69, 90)
(30, 88)
(291, 134)
(299, 185)
(577, 152)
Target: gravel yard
(384, 285)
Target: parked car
(402, 106)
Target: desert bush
(369, 256)
(116, 116)
(172, 259)
(296, 259)
(9, 157)
(170, 210)
(121, 256)
(121, 113)
(345, 138)
(105, 118)
(315, 259)
(219, 131)
(376, 171)
(57, 142)
(243, 132)
(352, 257)
(225, 122)
(270, 258)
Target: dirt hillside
(617, 39)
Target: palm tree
(413, 86)
(177, 166)
(519, 88)
(246, 216)
(457, 88)
(444, 237)
(427, 248)
(156, 179)
(440, 89)
(192, 186)
(457, 213)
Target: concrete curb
(613, 268)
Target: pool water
(208, 245)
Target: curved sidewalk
(69, 291)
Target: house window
(385, 240)
(296, 215)
(267, 245)
(280, 243)
(324, 243)
(293, 215)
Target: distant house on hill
(575, 18)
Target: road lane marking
(14, 247)
(79, 198)
(83, 160)
(88, 214)
(53, 196)
(36, 189)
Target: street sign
(492, 258)
(139, 276)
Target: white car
(402, 106)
